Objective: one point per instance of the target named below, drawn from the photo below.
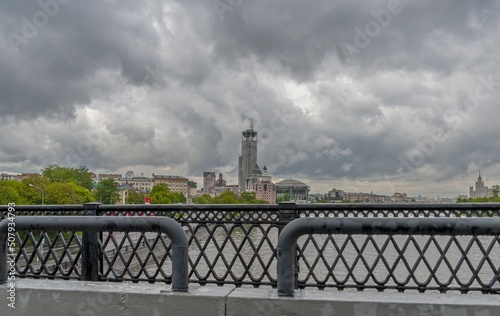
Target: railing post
(91, 253)
(287, 213)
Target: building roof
(291, 183)
(160, 176)
(126, 187)
(256, 170)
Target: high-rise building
(209, 182)
(248, 159)
(480, 189)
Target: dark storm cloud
(352, 90)
(49, 65)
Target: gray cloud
(386, 94)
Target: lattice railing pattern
(236, 245)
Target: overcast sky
(389, 96)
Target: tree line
(493, 198)
(66, 185)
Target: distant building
(9, 176)
(399, 197)
(265, 188)
(109, 176)
(232, 187)
(192, 188)
(296, 190)
(248, 159)
(220, 182)
(480, 190)
(209, 183)
(334, 195)
(261, 183)
(124, 190)
(142, 184)
(366, 197)
(26, 175)
(175, 183)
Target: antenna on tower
(251, 123)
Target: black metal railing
(488, 283)
(91, 248)
(236, 245)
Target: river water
(358, 259)
(245, 254)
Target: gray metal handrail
(106, 224)
(369, 226)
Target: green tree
(9, 192)
(106, 192)
(204, 199)
(67, 193)
(228, 197)
(29, 188)
(135, 197)
(161, 194)
(284, 198)
(249, 198)
(80, 176)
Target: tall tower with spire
(480, 189)
(248, 159)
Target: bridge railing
(236, 245)
(91, 248)
(474, 227)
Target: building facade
(248, 159)
(296, 190)
(209, 183)
(399, 197)
(142, 184)
(220, 182)
(361, 197)
(335, 195)
(265, 189)
(175, 183)
(479, 189)
(232, 187)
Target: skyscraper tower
(248, 159)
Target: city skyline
(385, 96)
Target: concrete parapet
(58, 297)
(325, 303)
